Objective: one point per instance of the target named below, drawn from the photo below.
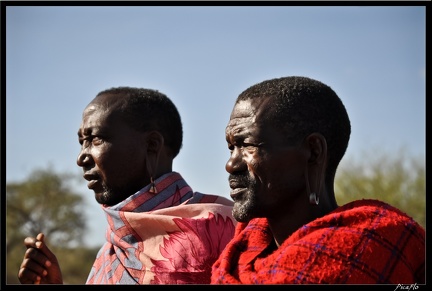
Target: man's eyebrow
(240, 132)
(240, 137)
(86, 131)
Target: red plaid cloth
(363, 242)
(172, 237)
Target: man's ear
(155, 142)
(318, 148)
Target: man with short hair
(159, 230)
(286, 137)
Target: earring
(152, 186)
(313, 199)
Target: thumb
(41, 245)
(40, 237)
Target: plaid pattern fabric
(172, 237)
(363, 242)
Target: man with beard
(159, 230)
(286, 137)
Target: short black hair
(148, 109)
(303, 106)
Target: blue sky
(59, 58)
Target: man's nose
(83, 157)
(235, 163)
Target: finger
(35, 257)
(30, 242)
(48, 255)
(26, 276)
(35, 261)
(40, 236)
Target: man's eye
(96, 140)
(249, 147)
(84, 142)
(91, 140)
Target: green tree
(44, 203)
(398, 179)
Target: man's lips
(92, 178)
(91, 184)
(237, 188)
(236, 192)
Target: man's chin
(101, 198)
(240, 214)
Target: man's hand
(40, 265)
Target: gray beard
(245, 210)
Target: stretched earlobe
(313, 196)
(154, 145)
(152, 186)
(317, 163)
(151, 163)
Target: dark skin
(117, 161)
(268, 176)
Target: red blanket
(363, 242)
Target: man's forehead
(242, 119)
(238, 120)
(250, 110)
(97, 115)
(105, 102)
(243, 105)
(98, 107)
(90, 108)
